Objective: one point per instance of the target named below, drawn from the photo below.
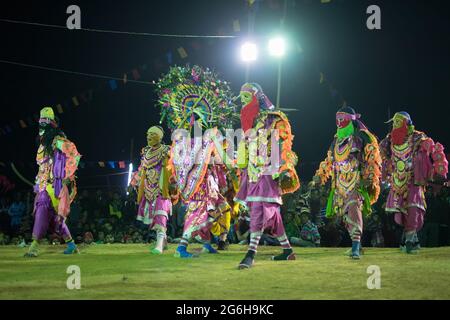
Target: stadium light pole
(277, 49)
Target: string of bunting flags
(178, 54)
(121, 164)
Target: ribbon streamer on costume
(13, 167)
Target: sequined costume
(268, 169)
(58, 159)
(152, 184)
(353, 164)
(191, 99)
(410, 161)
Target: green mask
(346, 132)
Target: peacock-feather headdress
(188, 94)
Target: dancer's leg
(63, 230)
(354, 225)
(277, 227)
(41, 222)
(413, 222)
(160, 226)
(256, 231)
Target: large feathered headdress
(190, 94)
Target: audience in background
(110, 217)
(309, 235)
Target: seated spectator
(292, 222)
(242, 229)
(4, 239)
(5, 219)
(373, 233)
(16, 211)
(115, 206)
(267, 240)
(74, 218)
(176, 220)
(88, 238)
(330, 235)
(309, 234)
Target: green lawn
(131, 272)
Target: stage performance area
(129, 271)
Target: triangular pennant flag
(136, 74)
(236, 26)
(101, 164)
(113, 84)
(59, 108)
(75, 101)
(23, 125)
(112, 164)
(169, 57)
(250, 2)
(122, 164)
(182, 53)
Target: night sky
(403, 66)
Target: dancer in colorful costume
(193, 99)
(58, 159)
(410, 161)
(151, 182)
(262, 183)
(354, 165)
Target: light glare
(249, 52)
(277, 47)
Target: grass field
(131, 272)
